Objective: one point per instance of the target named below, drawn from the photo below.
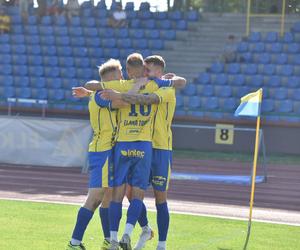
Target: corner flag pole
(253, 178)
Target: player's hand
(80, 92)
(168, 76)
(110, 94)
(140, 83)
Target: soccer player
(104, 125)
(162, 146)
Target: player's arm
(81, 92)
(131, 98)
(93, 85)
(176, 81)
(104, 103)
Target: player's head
(111, 70)
(135, 66)
(155, 66)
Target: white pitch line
(210, 215)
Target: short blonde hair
(110, 66)
(135, 60)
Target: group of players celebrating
(130, 150)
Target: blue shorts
(100, 169)
(132, 163)
(161, 169)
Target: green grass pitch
(29, 225)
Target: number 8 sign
(224, 134)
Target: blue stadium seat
(61, 31)
(93, 42)
(32, 39)
(19, 49)
(106, 32)
(275, 48)
(194, 102)
(85, 73)
(204, 78)
(192, 15)
(258, 47)
(52, 71)
(80, 41)
(181, 25)
(140, 44)
(279, 93)
(285, 106)
(46, 20)
(9, 92)
(32, 30)
(146, 52)
(241, 91)
(296, 27)
(39, 93)
(34, 50)
(210, 103)
(223, 91)
(61, 20)
(129, 6)
(5, 59)
(75, 21)
(17, 39)
(46, 30)
(48, 40)
(288, 37)
(190, 90)
(144, 6)
(156, 44)
(285, 70)
(296, 59)
(165, 24)
(6, 69)
(67, 61)
(168, 35)
(233, 68)
(246, 57)
(238, 80)
(56, 94)
(179, 101)
(229, 104)
(109, 43)
(4, 38)
(271, 37)
(50, 60)
(256, 80)
(23, 92)
(122, 33)
(267, 105)
(125, 52)
(36, 71)
(16, 19)
(269, 69)
(35, 60)
(296, 94)
(131, 15)
(273, 81)
(80, 51)
(153, 34)
(296, 107)
(101, 5)
(90, 32)
(250, 69)
(86, 12)
(6, 80)
(293, 82)
(175, 15)
(264, 58)
(17, 29)
(62, 41)
(281, 58)
(95, 52)
(102, 13)
(221, 79)
(20, 70)
(69, 72)
(32, 20)
(87, 5)
(76, 31)
(135, 24)
(217, 67)
(82, 62)
(242, 47)
(89, 22)
(64, 51)
(144, 15)
(160, 15)
(254, 37)
(38, 82)
(19, 59)
(22, 81)
(111, 53)
(207, 90)
(149, 24)
(124, 43)
(102, 22)
(293, 48)
(54, 83)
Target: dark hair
(135, 60)
(156, 60)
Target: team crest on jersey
(133, 153)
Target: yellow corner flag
(250, 104)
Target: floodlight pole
(253, 175)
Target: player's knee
(129, 192)
(107, 198)
(137, 193)
(118, 193)
(160, 196)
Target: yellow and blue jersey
(103, 122)
(162, 133)
(135, 122)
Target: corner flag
(250, 104)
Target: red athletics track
(282, 191)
